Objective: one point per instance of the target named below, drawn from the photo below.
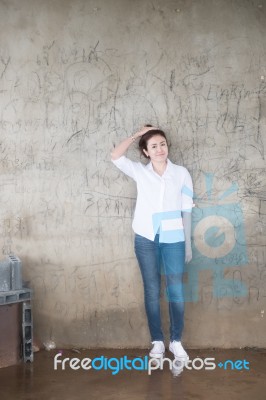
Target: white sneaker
(178, 351)
(158, 349)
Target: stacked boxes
(11, 292)
(11, 289)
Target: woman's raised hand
(144, 130)
(122, 147)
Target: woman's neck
(159, 168)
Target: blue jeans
(155, 259)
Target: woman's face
(157, 149)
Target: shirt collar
(168, 167)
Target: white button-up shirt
(160, 199)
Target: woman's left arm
(187, 205)
(186, 216)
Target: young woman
(162, 226)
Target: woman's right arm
(122, 147)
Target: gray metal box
(15, 273)
(10, 274)
(5, 281)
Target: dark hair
(147, 136)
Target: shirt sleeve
(127, 166)
(187, 193)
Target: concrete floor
(39, 380)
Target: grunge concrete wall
(77, 77)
